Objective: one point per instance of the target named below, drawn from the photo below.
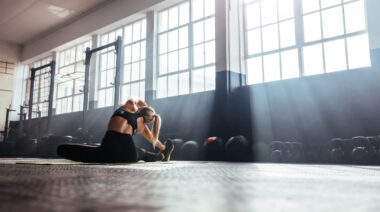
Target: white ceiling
(22, 21)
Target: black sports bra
(130, 117)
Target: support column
(31, 90)
(118, 47)
(150, 92)
(51, 93)
(93, 74)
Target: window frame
(190, 46)
(62, 56)
(299, 33)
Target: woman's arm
(137, 101)
(143, 129)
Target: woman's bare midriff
(119, 124)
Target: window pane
(127, 54)
(183, 37)
(142, 90)
(78, 103)
(355, 16)
(111, 37)
(285, 9)
(198, 80)
(135, 71)
(135, 52)
(173, 17)
(197, 9)
(79, 53)
(210, 52)
(310, 5)
(111, 60)
(109, 97)
(173, 38)
(103, 79)
(329, 3)
(254, 41)
(198, 55)
(142, 69)
(128, 34)
(69, 104)
(252, 15)
(72, 59)
(173, 85)
(163, 64)
(312, 27)
(270, 37)
(110, 77)
(313, 60)
(210, 29)
(67, 57)
(287, 33)
(289, 64)
(163, 21)
(142, 50)
(101, 98)
(209, 7)
(358, 51)
(143, 29)
(64, 105)
(210, 78)
(161, 87)
(127, 73)
(184, 83)
(173, 64)
(59, 107)
(198, 32)
(272, 67)
(254, 70)
(335, 55)
(163, 43)
(135, 87)
(62, 59)
(332, 22)
(268, 12)
(136, 30)
(183, 59)
(125, 93)
(184, 13)
(79, 86)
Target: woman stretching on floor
(117, 144)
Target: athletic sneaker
(169, 148)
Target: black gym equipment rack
(118, 47)
(51, 93)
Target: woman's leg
(79, 152)
(118, 147)
(144, 155)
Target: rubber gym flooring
(186, 186)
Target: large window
(186, 48)
(133, 80)
(133, 77)
(107, 69)
(292, 38)
(70, 79)
(41, 88)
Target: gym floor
(187, 186)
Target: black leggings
(115, 147)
